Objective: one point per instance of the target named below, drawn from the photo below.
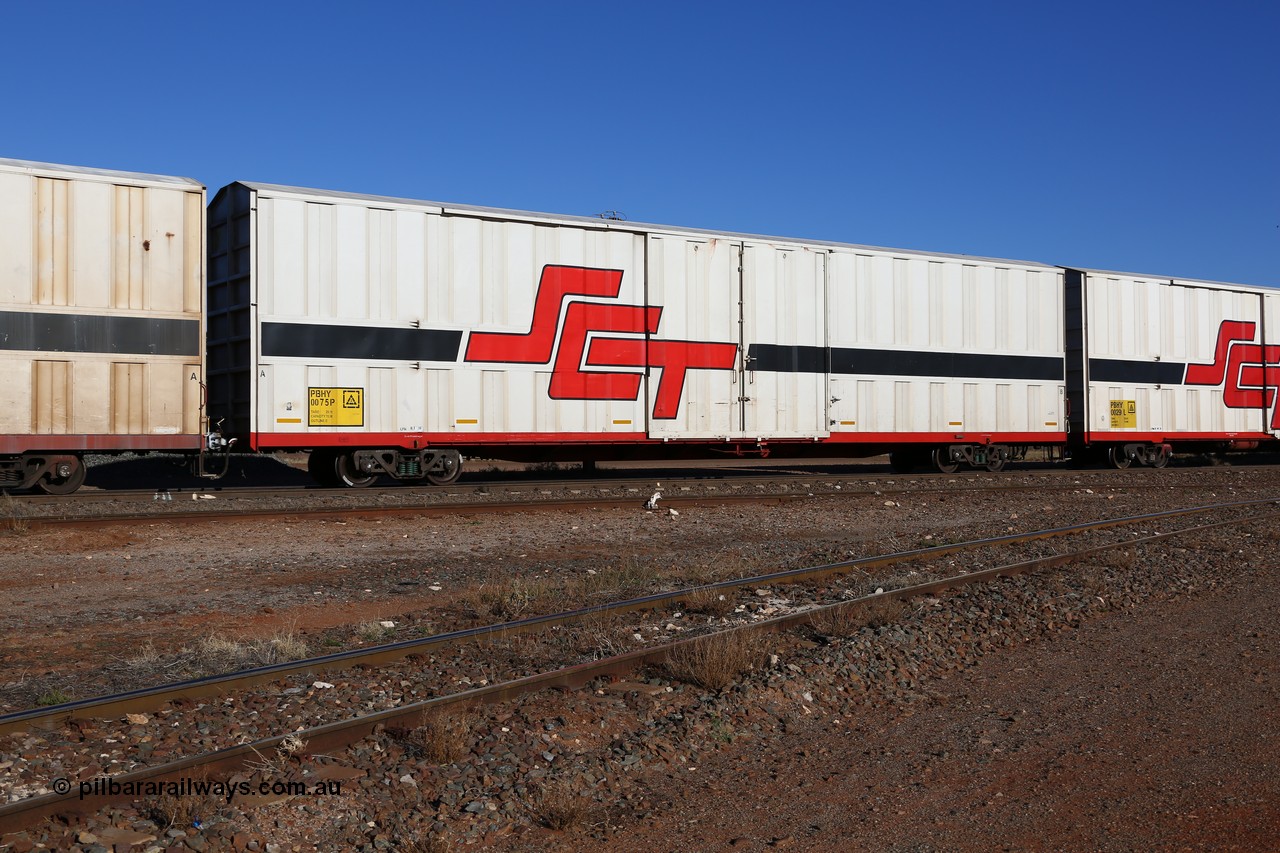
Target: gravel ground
(187, 728)
(95, 611)
(1153, 727)
(621, 754)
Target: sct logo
(569, 378)
(1251, 371)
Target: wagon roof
(55, 170)
(1173, 279)
(599, 223)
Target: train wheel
(996, 465)
(320, 465)
(903, 461)
(452, 464)
(350, 475)
(51, 485)
(1117, 458)
(943, 462)
(1161, 460)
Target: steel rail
(616, 479)
(210, 514)
(415, 510)
(343, 733)
(148, 699)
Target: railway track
(332, 734)
(51, 511)
(640, 480)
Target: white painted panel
(399, 269)
(784, 304)
(15, 394)
(927, 304)
(164, 249)
(351, 263)
(17, 223)
(695, 283)
(1151, 321)
(410, 297)
(280, 282)
(318, 275)
(92, 247)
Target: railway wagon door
(783, 369)
(740, 349)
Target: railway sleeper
(53, 474)
(359, 468)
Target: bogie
(64, 477)
(53, 475)
(447, 468)
(351, 473)
(361, 468)
(1151, 455)
(944, 462)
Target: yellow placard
(1124, 414)
(328, 407)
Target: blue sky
(1138, 136)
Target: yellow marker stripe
(954, 423)
(288, 420)
(620, 423)
(848, 423)
(466, 421)
(1050, 423)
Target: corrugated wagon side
(946, 360)
(391, 336)
(1162, 365)
(101, 330)
(339, 324)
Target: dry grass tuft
(278, 764)
(374, 631)
(14, 521)
(628, 576)
(146, 657)
(503, 597)
(56, 696)
(442, 737)
(1093, 581)
(845, 620)
(559, 805)
(181, 812)
(221, 654)
(428, 842)
(602, 636)
(716, 660)
(712, 602)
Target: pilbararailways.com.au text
(105, 786)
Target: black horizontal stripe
(779, 359)
(883, 362)
(1136, 372)
(98, 333)
(312, 340)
